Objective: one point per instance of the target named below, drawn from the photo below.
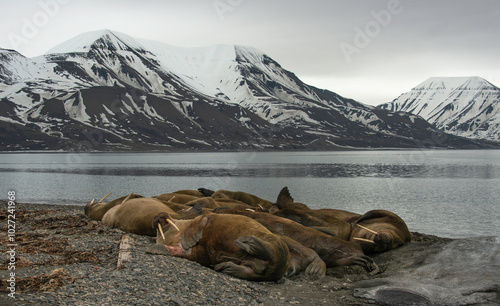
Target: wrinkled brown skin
(392, 231)
(302, 214)
(135, 215)
(316, 220)
(175, 206)
(194, 193)
(303, 259)
(343, 215)
(205, 202)
(176, 198)
(234, 245)
(244, 197)
(333, 251)
(96, 211)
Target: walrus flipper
(239, 271)
(361, 260)
(206, 192)
(193, 233)
(254, 246)
(284, 198)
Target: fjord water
(446, 193)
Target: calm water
(446, 193)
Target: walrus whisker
(126, 199)
(104, 197)
(161, 231)
(173, 224)
(367, 229)
(364, 240)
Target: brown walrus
(96, 210)
(244, 197)
(135, 215)
(344, 215)
(301, 214)
(235, 245)
(285, 200)
(332, 250)
(195, 193)
(178, 198)
(386, 229)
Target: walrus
(312, 218)
(194, 193)
(285, 200)
(383, 229)
(332, 250)
(244, 197)
(344, 215)
(135, 215)
(96, 210)
(178, 198)
(234, 245)
(323, 223)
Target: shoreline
(353, 149)
(62, 257)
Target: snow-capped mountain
(464, 106)
(108, 91)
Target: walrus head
(385, 229)
(89, 207)
(183, 233)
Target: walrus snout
(161, 219)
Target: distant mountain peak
(452, 83)
(464, 106)
(102, 38)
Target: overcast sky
(368, 50)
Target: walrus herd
(251, 238)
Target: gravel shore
(64, 258)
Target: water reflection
(288, 170)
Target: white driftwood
(125, 251)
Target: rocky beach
(64, 258)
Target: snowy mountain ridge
(464, 106)
(105, 90)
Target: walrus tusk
(104, 197)
(261, 206)
(173, 224)
(170, 200)
(126, 199)
(92, 202)
(161, 231)
(249, 209)
(364, 240)
(367, 229)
